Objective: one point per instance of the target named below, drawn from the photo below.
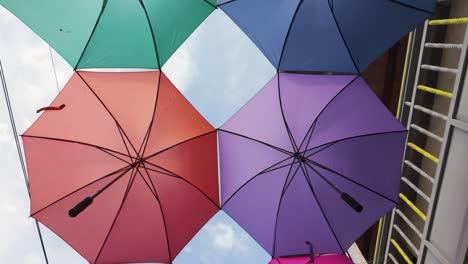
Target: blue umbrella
(326, 35)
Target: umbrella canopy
(310, 158)
(324, 259)
(326, 35)
(122, 167)
(113, 33)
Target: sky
(195, 71)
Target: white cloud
(225, 238)
(5, 135)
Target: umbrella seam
(79, 189)
(108, 111)
(275, 230)
(253, 177)
(79, 143)
(349, 179)
(176, 176)
(104, 3)
(411, 6)
(342, 38)
(351, 138)
(129, 186)
(306, 175)
(256, 140)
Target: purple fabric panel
(299, 220)
(255, 206)
(261, 118)
(240, 159)
(373, 161)
(266, 22)
(314, 42)
(347, 224)
(355, 111)
(304, 96)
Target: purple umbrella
(310, 158)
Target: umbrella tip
(80, 207)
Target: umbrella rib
(105, 150)
(290, 181)
(176, 176)
(291, 138)
(350, 138)
(176, 145)
(227, 2)
(279, 206)
(306, 175)
(342, 37)
(152, 190)
(411, 6)
(163, 217)
(152, 33)
(269, 169)
(150, 127)
(107, 109)
(349, 179)
(79, 189)
(104, 3)
(256, 140)
(311, 130)
(287, 34)
(210, 4)
(125, 144)
(331, 100)
(129, 186)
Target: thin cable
(19, 151)
(53, 67)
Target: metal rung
(443, 46)
(416, 189)
(413, 207)
(427, 111)
(438, 68)
(434, 91)
(401, 251)
(406, 239)
(450, 21)
(426, 132)
(418, 170)
(390, 255)
(423, 152)
(409, 223)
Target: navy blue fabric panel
(370, 27)
(266, 22)
(314, 42)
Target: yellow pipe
(400, 99)
(423, 152)
(401, 251)
(435, 91)
(413, 207)
(451, 21)
(377, 242)
(403, 78)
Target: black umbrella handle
(80, 207)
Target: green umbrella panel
(113, 33)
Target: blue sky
(218, 69)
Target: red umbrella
(122, 167)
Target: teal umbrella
(113, 33)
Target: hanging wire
(19, 151)
(53, 67)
